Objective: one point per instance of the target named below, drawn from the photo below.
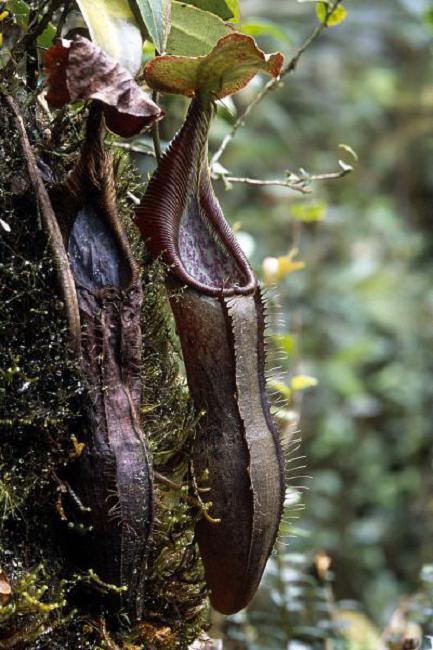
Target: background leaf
(113, 27)
(276, 269)
(302, 382)
(308, 211)
(20, 11)
(156, 16)
(338, 15)
(220, 8)
(265, 28)
(235, 9)
(193, 32)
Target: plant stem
(155, 131)
(298, 184)
(62, 19)
(194, 501)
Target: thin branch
(204, 642)
(135, 148)
(155, 131)
(332, 176)
(292, 182)
(134, 199)
(62, 19)
(273, 83)
(292, 64)
(193, 501)
(106, 636)
(264, 183)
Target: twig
(107, 638)
(196, 502)
(62, 19)
(155, 131)
(135, 148)
(291, 65)
(134, 199)
(331, 176)
(273, 83)
(293, 182)
(52, 229)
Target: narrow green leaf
(113, 27)
(194, 32)
(156, 16)
(220, 8)
(349, 150)
(338, 15)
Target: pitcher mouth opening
(209, 259)
(182, 221)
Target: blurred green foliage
(360, 314)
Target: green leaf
(148, 51)
(156, 16)
(194, 32)
(302, 382)
(232, 63)
(428, 17)
(220, 8)
(265, 28)
(113, 27)
(338, 15)
(45, 40)
(235, 9)
(308, 212)
(20, 11)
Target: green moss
(34, 608)
(40, 415)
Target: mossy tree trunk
(48, 598)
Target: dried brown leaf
(79, 70)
